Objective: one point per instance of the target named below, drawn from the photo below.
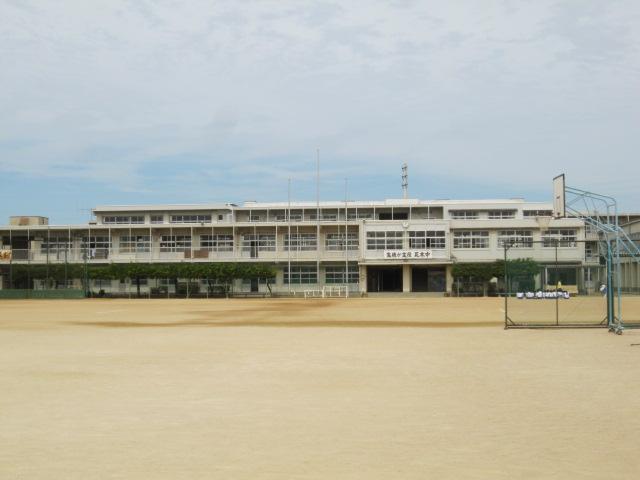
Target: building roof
(161, 207)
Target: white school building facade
(404, 245)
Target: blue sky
(111, 102)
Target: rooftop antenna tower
(405, 182)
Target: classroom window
(261, 242)
(217, 243)
(502, 214)
(336, 241)
(123, 219)
(135, 243)
(300, 241)
(175, 243)
(463, 214)
(471, 239)
(427, 239)
(190, 218)
(515, 238)
(335, 274)
(300, 274)
(391, 240)
(565, 238)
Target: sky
(138, 102)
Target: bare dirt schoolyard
(379, 388)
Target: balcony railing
(105, 255)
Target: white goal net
(328, 291)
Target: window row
(383, 240)
(123, 219)
(190, 218)
(139, 219)
(394, 240)
(214, 243)
(496, 214)
(307, 274)
(566, 238)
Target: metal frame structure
(510, 322)
(599, 212)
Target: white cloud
(494, 92)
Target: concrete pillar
(363, 279)
(406, 278)
(449, 277)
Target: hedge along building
(404, 245)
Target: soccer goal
(328, 291)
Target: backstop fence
(556, 290)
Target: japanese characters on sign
(408, 254)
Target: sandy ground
(329, 389)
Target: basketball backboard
(559, 208)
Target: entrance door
(419, 279)
(384, 279)
(254, 284)
(437, 280)
(428, 279)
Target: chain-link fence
(561, 288)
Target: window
(301, 274)
(463, 214)
(220, 217)
(254, 218)
(359, 215)
(496, 214)
(335, 241)
(96, 246)
(300, 241)
(190, 218)
(217, 243)
(96, 241)
(157, 218)
(471, 239)
(562, 237)
(261, 242)
(335, 274)
(55, 245)
(420, 240)
(591, 251)
(325, 217)
(135, 244)
(515, 238)
(123, 219)
(384, 240)
(295, 217)
(393, 216)
(175, 243)
(537, 213)
(261, 281)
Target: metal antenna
(405, 181)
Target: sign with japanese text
(408, 254)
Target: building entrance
(428, 279)
(384, 279)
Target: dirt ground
(384, 388)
